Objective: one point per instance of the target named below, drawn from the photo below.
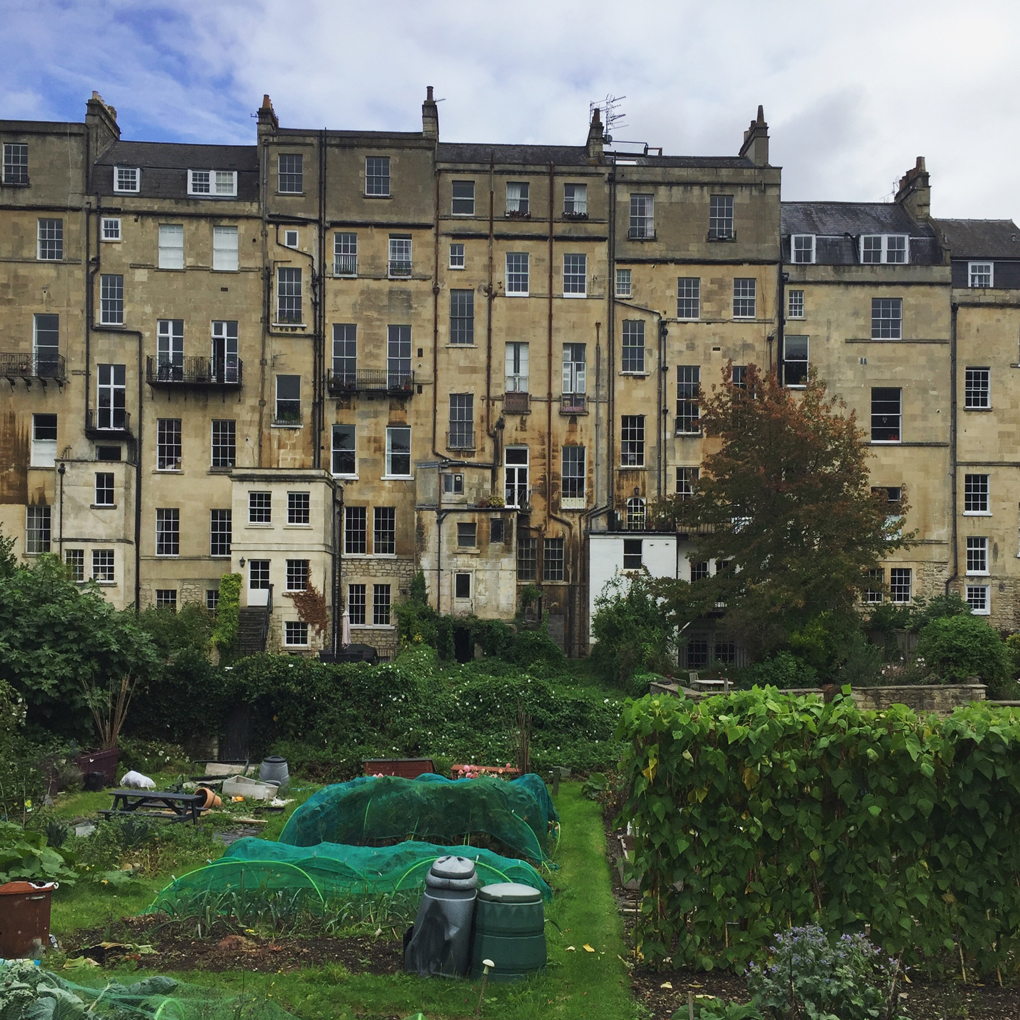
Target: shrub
(24, 856)
(957, 647)
(228, 604)
(631, 634)
(807, 974)
(783, 670)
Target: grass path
(577, 983)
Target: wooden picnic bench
(177, 807)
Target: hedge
(757, 811)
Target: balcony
(573, 403)
(370, 380)
(46, 368)
(641, 233)
(516, 403)
(460, 439)
(198, 372)
(107, 423)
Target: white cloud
(853, 91)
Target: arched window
(635, 513)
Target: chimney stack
(267, 115)
(756, 141)
(914, 193)
(430, 116)
(596, 136)
(101, 123)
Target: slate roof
(164, 167)
(532, 155)
(981, 239)
(838, 225)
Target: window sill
(168, 471)
(346, 478)
(115, 325)
(978, 573)
(105, 584)
(469, 347)
(623, 297)
(516, 293)
(457, 269)
(743, 318)
(293, 194)
(796, 386)
(39, 258)
(637, 375)
(219, 556)
(573, 504)
(220, 469)
(298, 527)
(288, 325)
(468, 550)
(631, 467)
(258, 524)
(886, 442)
(570, 296)
(377, 196)
(103, 506)
(167, 556)
(978, 409)
(977, 513)
(170, 269)
(397, 478)
(287, 425)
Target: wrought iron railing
(108, 419)
(32, 366)
(460, 439)
(370, 380)
(193, 371)
(573, 403)
(516, 403)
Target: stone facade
(345, 355)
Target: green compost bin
(509, 931)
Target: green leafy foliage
(807, 974)
(228, 607)
(708, 1007)
(760, 806)
(24, 856)
(957, 647)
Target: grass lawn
(578, 983)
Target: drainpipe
(660, 452)
(319, 323)
(267, 299)
(611, 349)
(60, 510)
(488, 318)
(435, 326)
(955, 308)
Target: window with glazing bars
(686, 481)
(795, 360)
(527, 558)
(15, 163)
(636, 515)
(111, 395)
(552, 559)
(885, 414)
(802, 248)
(873, 593)
(171, 246)
(377, 176)
(975, 494)
(633, 351)
(46, 345)
(688, 388)
(467, 535)
(166, 598)
(288, 399)
(297, 575)
(258, 575)
(886, 318)
(398, 357)
(462, 316)
(290, 180)
(575, 275)
(463, 198)
(575, 370)
(899, 584)
(642, 216)
(299, 509)
(104, 488)
(344, 460)
(623, 278)
(456, 256)
(980, 274)
(795, 304)
(517, 273)
(170, 349)
(462, 434)
(50, 240)
(212, 599)
(168, 531)
(632, 440)
(345, 353)
(699, 571)
(720, 217)
(260, 508)
(977, 389)
(37, 529)
(688, 297)
(516, 375)
(345, 254)
(632, 554)
(384, 532)
(572, 476)
(977, 555)
(224, 442)
(288, 294)
(978, 599)
(295, 633)
(744, 298)
(355, 530)
(575, 199)
(74, 560)
(356, 604)
(380, 605)
(400, 255)
(398, 451)
(111, 300)
(225, 251)
(220, 532)
(168, 444)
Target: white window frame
(790, 313)
(573, 480)
(383, 179)
(219, 184)
(799, 248)
(225, 256)
(525, 274)
(578, 200)
(127, 185)
(688, 288)
(390, 430)
(104, 566)
(170, 531)
(575, 283)
(517, 367)
(518, 203)
(280, 173)
(981, 493)
(43, 452)
(979, 546)
(333, 449)
(457, 256)
(400, 264)
(805, 361)
(883, 249)
(970, 389)
(107, 224)
(111, 308)
(466, 199)
(345, 253)
(980, 604)
(295, 628)
(38, 529)
(623, 283)
(974, 268)
(746, 293)
(642, 217)
(171, 253)
(40, 240)
(291, 238)
(19, 180)
(897, 589)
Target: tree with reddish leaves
(785, 502)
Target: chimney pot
(428, 94)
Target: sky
(853, 90)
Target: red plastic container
(24, 918)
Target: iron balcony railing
(400, 269)
(573, 403)
(516, 403)
(193, 371)
(460, 439)
(32, 366)
(370, 380)
(345, 265)
(107, 421)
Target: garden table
(182, 807)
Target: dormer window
(127, 179)
(884, 248)
(212, 183)
(802, 248)
(980, 274)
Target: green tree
(8, 561)
(956, 647)
(785, 501)
(60, 640)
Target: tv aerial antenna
(611, 115)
